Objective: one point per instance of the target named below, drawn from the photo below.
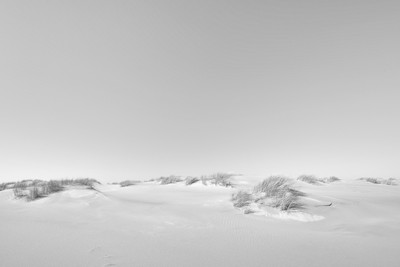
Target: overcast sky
(137, 89)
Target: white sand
(178, 225)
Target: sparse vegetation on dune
(53, 186)
(272, 186)
(191, 180)
(219, 178)
(128, 183)
(242, 199)
(390, 181)
(275, 191)
(312, 179)
(204, 179)
(248, 211)
(4, 186)
(80, 181)
(223, 179)
(172, 179)
(331, 179)
(34, 189)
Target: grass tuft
(273, 186)
(128, 183)
(191, 180)
(390, 181)
(34, 189)
(331, 179)
(242, 199)
(219, 178)
(172, 179)
(311, 179)
(275, 191)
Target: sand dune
(149, 224)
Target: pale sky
(120, 90)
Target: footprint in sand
(98, 251)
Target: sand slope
(177, 225)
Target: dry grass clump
(51, 186)
(312, 179)
(275, 191)
(272, 186)
(242, 199)
(35, 193)
(34, 189)
(80, 181)
(191, 180)
(4, 186)
(331, 179)
(222, 179)
(219, 178)
(204, 179)
(172, 179)
(18, 193)
(248, 211)
(286, 201)
(128, 183)
(390, 181)
(30, 193)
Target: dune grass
(312, 179)
(4, 186)
(390, 181)
(219, 178)
(191, 180)
(128, 183)
(172, 179)
(275, 191)
(242, 199)
(34, 189)
(331, 179)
